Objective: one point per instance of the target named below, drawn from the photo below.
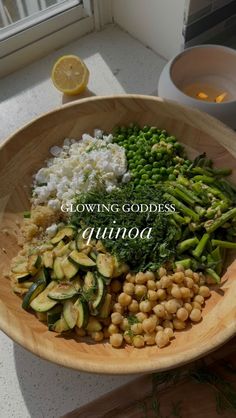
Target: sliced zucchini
(100, 247)
(22, 277)
(106, 307)
(77, 283)
(80, 242)
(100, 295)
(105, 265)
(70, 313)
(60, 325)
(93, 255)
(69, 268)
(57, 268)
(66, 232)
(54, 315)
(83, 261)
(119, 268)
(83, 313)
(34, 263)
(72, 245)
(63, 250)
(62, 291)
(42, 303)
(20, 267)
(93, 325)
(34, 290)
(90, 281)
(43, 274)
(47, 259)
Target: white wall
(156, 23)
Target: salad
(125, 237)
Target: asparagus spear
(183, 208)
(186, 244)
(201, 246)
(211, 226)
(223, 244)
(213, 274)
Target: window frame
(40, 37)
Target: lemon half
(70, 75)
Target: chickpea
(118, 308)
(133, 306)
(140, 278)
(149, 275)
(140, 290)
(130, 278)
(165, 282)
(159, 310)
(188, 273)
(167, 324)
(127, 337)
(151, 285)
(116, 318)
(80, 332)
(200, 299)
(168, 316)
(195, 288)
(162, 339)
(189, 282)
(171, 306)
(141, 316)
(137, 329)
(128, 288)
(152, 295)
(161, 272)
(182, 314)
(113, 329)
(188, 307)
(161, 294)
(204, 291)
(145, 306)
(158, 285)
(106, 333)
(178, 277)
(124, 324)
(150, 338)
(175, 292)
(169, 332)
(159, 328)
(97, 336)
(196, 305)
(195, 315)
(185, 292)
(124, 299)
(196, 277)
(115, 286)
(149, 325)
(138, 341)
(179, 268)
(116, 340)
(178, 324)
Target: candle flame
(220, 98)
(201, 95)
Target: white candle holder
(207, 69)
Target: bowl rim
(131, 367)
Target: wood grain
(25, 151)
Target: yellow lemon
(70, 75)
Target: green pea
(142, 182)
(142, 172)
(155, 164)
(139, 167)
(158, 156)
(150, 182)
(156, 177)
(142, 161)
(145, 176)
(163, 170)
(148, 167)
(171, 177)
(136, 182)
(130, 154)
(132, 166)
(121, 137)
(151, 159)
(155, 171)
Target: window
(32, 28)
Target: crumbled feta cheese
(80, 166)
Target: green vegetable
(211, 226)
(186, 244)
(223, 244)
(201, 246)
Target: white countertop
(30, 386)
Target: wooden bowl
(25, 151)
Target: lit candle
(206, 92)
